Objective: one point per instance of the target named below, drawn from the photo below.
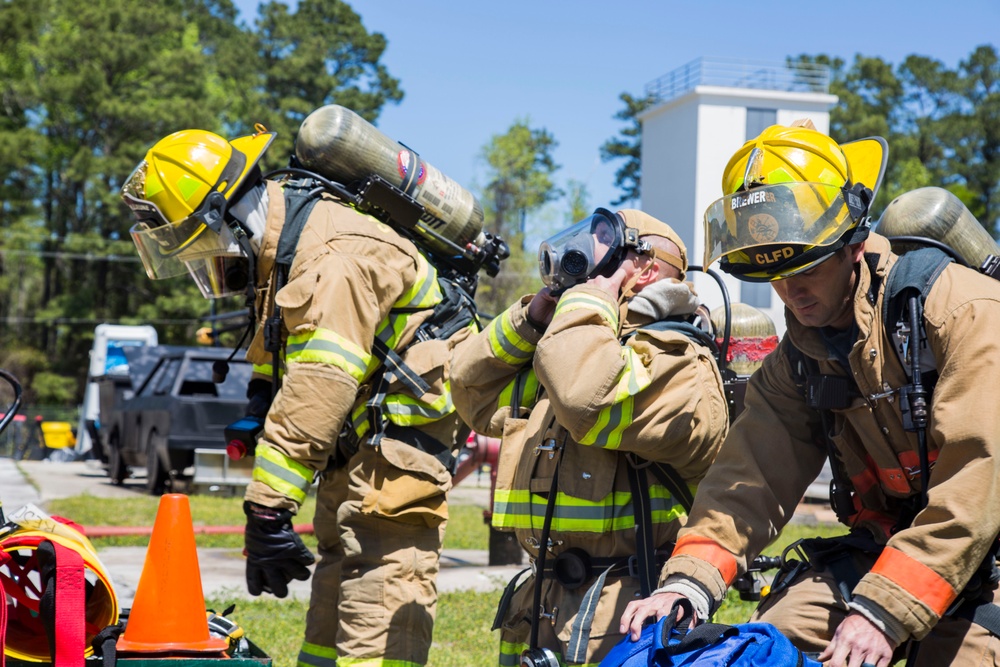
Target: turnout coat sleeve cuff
(705, 574)
(518, 314)
(895, 601)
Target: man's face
(822, 296)
(604, 237)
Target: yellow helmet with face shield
(793, 197)
(179, 193)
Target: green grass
(466, 529)
(462, 635)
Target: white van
(106, 359)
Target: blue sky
(470, 68)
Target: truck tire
(117, 470)
(156, 473)
(504, 548)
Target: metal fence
(732, 73)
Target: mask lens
(578, 253)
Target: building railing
(733, 73)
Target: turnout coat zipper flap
(772, 455)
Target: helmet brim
(867, 159)
(253, 147)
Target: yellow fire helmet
(179, 191)
(793, 197)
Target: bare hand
(542, 306)
(612, 284)
(656, 605)
(857, 641)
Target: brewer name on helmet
(752, 197)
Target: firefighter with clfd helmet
(590, 382)
(353, 285)
(919, 560)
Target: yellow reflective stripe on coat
(585, 301)
(265, 370)
(359, 421)
(314, 655)
(404, 410)
(528, 393)
(284, 475)
(614, 419)
(510, 653)
(425, 292)
(506, 344)
(325, 346)
(524, 510)
(344, 661)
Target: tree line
(85, 88)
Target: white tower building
(703, 112)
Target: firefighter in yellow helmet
(335, 294)
(611, 409)
(918, 564)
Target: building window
(757, 295)
(760, 119)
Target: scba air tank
(342, 146)
(937, 214)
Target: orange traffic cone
(168, 612)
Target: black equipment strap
(803, 368)
(984, 613)
(393, 368)
(643, 516)
(298, 207)
(543, 546)
(681, 325)
(425, 443)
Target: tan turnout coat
(770, 456)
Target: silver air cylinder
(938, 214)
(342, 146)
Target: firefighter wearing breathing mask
(610, 410)
(348, 282)
(918, 565)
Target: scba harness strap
(456, 311)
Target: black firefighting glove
(275, 553)
(259, 393)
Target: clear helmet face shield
(761, 231)
(583, 251)
(214, 261)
